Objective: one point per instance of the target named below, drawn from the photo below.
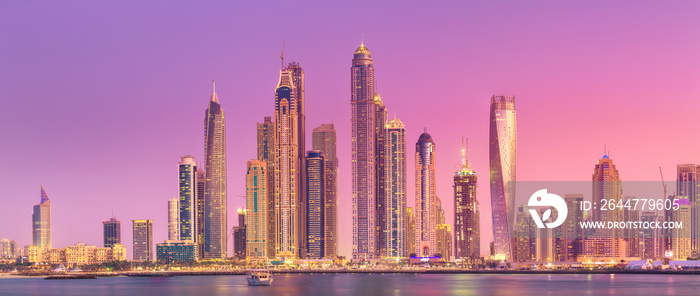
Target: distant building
(199, 217)
(174, 219)
(239, 236)
(571, 230)
(76, 255)
(466, 216)
(444, 241)
(256, 213)
(143, 240)
(177, 251)
(5, 248)
(324, 140)
(41, 222)
(681, 237)
(410, 232)
(607, 185)
(215, 229)
(524, 236)
(187, 211)
(502, 159)
(688, 180)
(426, 198)
(382, 222)
(112, 230)
(394, 212)
(315, 205)
(266, 153)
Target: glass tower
(324, 141)
(256, 208)
(467, 235)
(41, 222)
(215, 229)
(315, 205)
(112, 232)
(502, 151)
(143, 240)
(395, 197)
(188, 198)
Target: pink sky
(99, 100)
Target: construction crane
(662, 182)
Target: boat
(259, 277)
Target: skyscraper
(287, 167)
(681, 237)
(572, 231)
(380, 212)
(426, 198)
(324, 140)
(215, 229)
(257, 213)
(394, 229)
(606, 185)
(41, 222)
(362, 89)
(315, 205)
(466, 219)
(266, 153)
(298, 80)
(174, 219)
(199, 217)
(239, 234)
(502, 152)
(687, 185)
(143, 240)
(112, 232)
(187, 170)
(410, 232)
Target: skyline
(99, 147)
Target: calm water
(365, 285)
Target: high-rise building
(426, 198)
(606, 185)
(5, 249)
(143, 240)
(315, 205)
(572, 231)
(41, 222)
(266, 153)
(297, 74)
(410, 232)
(443, 242)
(502, 152)
(524, 236)
(651, 241)
(215, 229)
(363, 155)
(380, 212)
(257, 213)
(324, 140)
(199, 217)
(15, 249)
(239, 234)
(394, 212)
(174, 219)
(687, 185)
(681, 236)
(112, 232)
(466, 219)
(288, 182)
(187, 176)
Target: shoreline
(345, 271)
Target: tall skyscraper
(381, 223)
(606, 185)
(394, 211)
(466, 219)
(112, 232)
(687, 185)
(215, 229)
(681, 237)
(257, 213)
(315, 205)
(266, 153)
(502, 152)
(324, 140)
(239, 234)
(362, 89)
(426, 198)
(174, 219)
(288, 182)
(143, 240)
(41, 222)
(187, 170)
(298, 80)
(199, 217)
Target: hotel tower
(394, 234)
(426, 197)
(502, 150)
(215, 229)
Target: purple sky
(99, 99)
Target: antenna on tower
(362, 41)
(284, 42)
(213, 85)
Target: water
(364, 285)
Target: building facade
(239, 235)
(393, 230)
(174, 219)
(426, 197)
(112, 232)
(688, 180)
(187, 177)
(215, 225)
(466, 216)
(324, 140)
(143, 240)
(266, 153)
(257, 212)
(176, 251)
(41, 222)
(315, 205)
(502, 157)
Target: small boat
(259, 277)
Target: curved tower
(362, 90)
(502, 149)
(426, 197)
(215, 234)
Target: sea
(364, 285)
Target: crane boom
(662, 182)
